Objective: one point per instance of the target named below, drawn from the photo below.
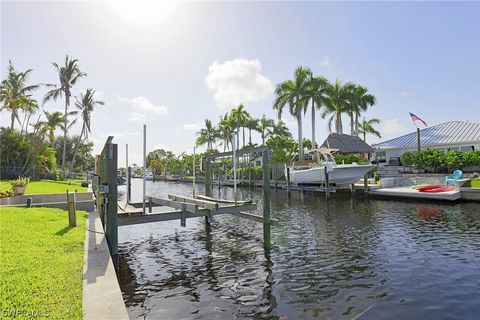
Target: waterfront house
(453, 135)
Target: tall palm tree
(225, 131)
(85, 104)
(54, 121)
(240, 116)
(14, 92)
(264, 125)
(316, 93)
(293, 93)
(207, 135)
(337, 103)
(68, 76)
(366, 126)
(252, 124)
(360, 101)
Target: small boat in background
(171, 178)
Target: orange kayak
(425, 188)
(442, 189)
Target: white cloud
(192, 126)
(404, 94)
(238, 81)
(393, 127)
(143, 104)
(124, 134)
(326, 62)
(136, 117)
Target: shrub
(347, 158)
(429, 158)
(20, 182)
(471, 158)
(6, 193)
(454, 160)
(408, 159)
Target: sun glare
(143, 11)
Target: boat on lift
(339, 175)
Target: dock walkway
(407, 192)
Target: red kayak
(422, 189)
(442, 189)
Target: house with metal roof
(453, 135)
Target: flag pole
(418, 139)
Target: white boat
(340, 175)
(148, 175)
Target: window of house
(381, 156)
(467, 148)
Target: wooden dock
(409, 193)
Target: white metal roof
(453, 132)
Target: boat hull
(341, 175)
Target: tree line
(38, 137)
(302, 93)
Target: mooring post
(208, 183)
(365, 184)
(327, 183)
(288, 179)
(266, 198)
(111, 218)
(129, 184)
(208, 177)
(72, 219)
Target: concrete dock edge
(102, 298)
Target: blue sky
(172, 65)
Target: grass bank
(41, 263)
(47, 186)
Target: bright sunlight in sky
(144, 11)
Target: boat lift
(114, 213)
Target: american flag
(415, 118)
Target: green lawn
(41, 263)
(47, 186)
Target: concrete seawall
(102, 297)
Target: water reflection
(330, 259)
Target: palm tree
(361, 100)
(279, 129)
(240, 117)
(366, 126)
(225, 131)
(85, 104)
(54, 121)
(207, 136)
(14, 92)
(264, 125)
(316, 92)
(337, 103)
(68, 76)
(293, 93)
(252, 124)
(29, 106)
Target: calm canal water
(342, 259)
